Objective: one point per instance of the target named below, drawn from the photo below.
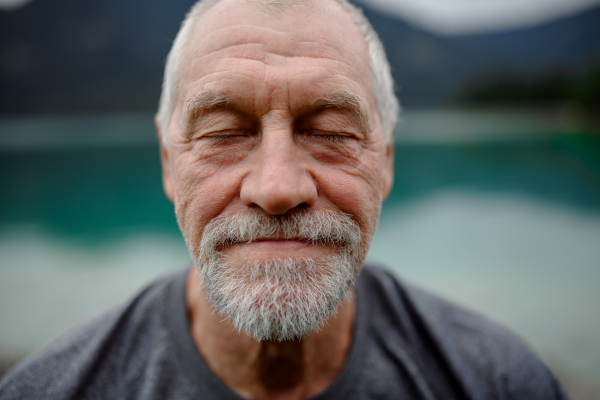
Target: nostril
(278, 200)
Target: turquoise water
(499, 211)
(100, 191)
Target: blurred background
(496, 203)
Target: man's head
(276, 130)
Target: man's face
(275, 116)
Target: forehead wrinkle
(261, 36)
(215, 66)
(280, 52)
(273, 76)
(212, 97)
(277, 9)
(324, 40)
(254, 48)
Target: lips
(274, 242)
(267, 248)
(230, 242)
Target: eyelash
(231, 135)
(329, 137)
(314, 134)
(334, 138)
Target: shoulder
(84, 354)
(481, 354)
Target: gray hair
(382, 81)
(279, 299)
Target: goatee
(284, 298)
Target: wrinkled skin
(250, 132)
(269, 148)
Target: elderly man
(276, 124)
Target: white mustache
(325, 227)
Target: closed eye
(228, 134)
(327, 135)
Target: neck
(290, 370)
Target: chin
(281, 299)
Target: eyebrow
(344, 101)
(206, 101)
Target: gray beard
(279, 299)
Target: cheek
(201, 193)
(357, 194)
(357, 197)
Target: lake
(498, 210)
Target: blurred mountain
(73, 56)
(432, 70)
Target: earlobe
(164, 162)
(166, 174)
(388, 173)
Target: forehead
(311, 21)
(238, 46)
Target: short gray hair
(382, 81)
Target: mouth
(275, 247)
(275, 240)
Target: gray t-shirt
(407, 344)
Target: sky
(455, 17)
(12, 4)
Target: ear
(388, 173)
(164, 162)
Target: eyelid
(225, 133)
(219, 122)
(320, 132)
(228, 132)
(335, 120)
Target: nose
(278, 181)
